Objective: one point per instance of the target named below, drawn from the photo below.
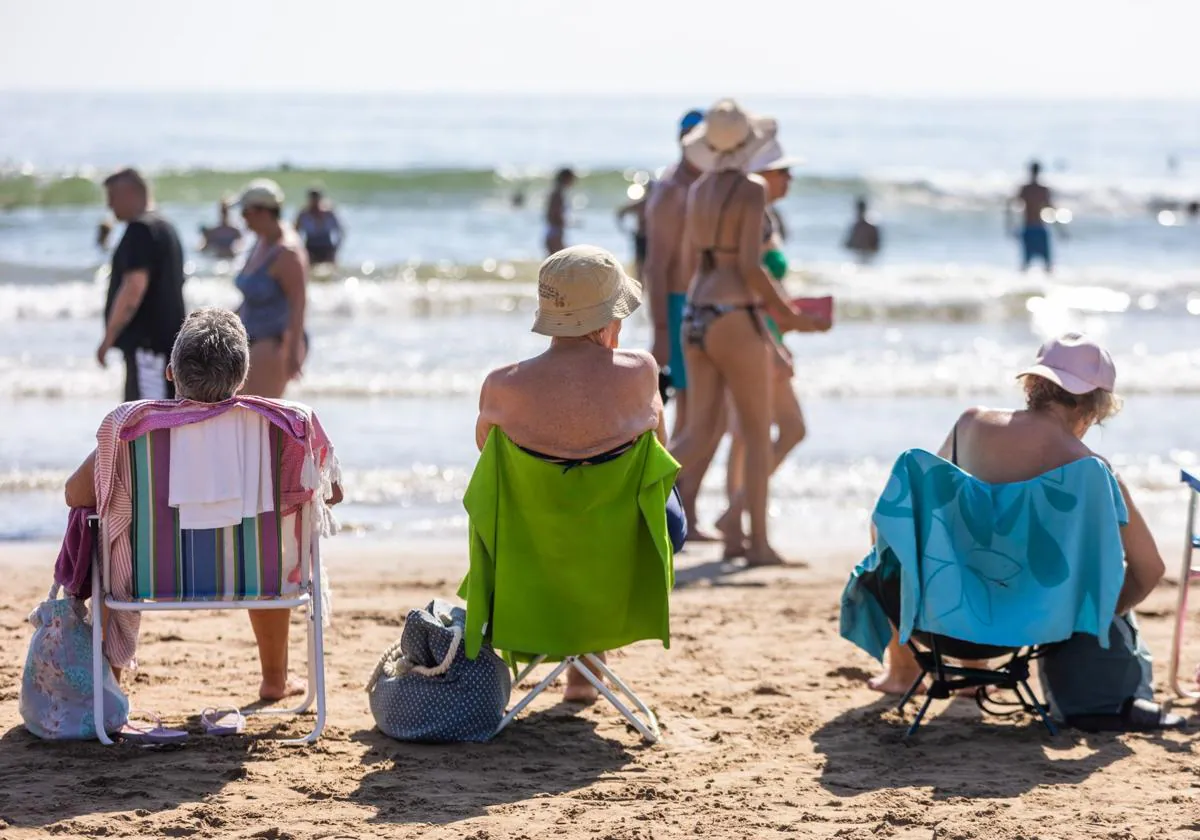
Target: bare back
(666, 211)
(576, 400)
(1034, 198)
(1003, 446)
(724, 233)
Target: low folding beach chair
(1188, 574)
(946, 680)
(568, 560)
(977, 571)
(241, 567)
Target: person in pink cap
(1068, 390)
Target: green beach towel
(567, 561)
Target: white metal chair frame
(646, 725)
(309, 597)
(1187, 574)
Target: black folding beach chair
(946, 680)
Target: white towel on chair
(221, 470)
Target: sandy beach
(770, 731)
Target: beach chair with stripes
(271, 561)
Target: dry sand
(769, 732)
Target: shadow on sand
(543, 753)
(957, 752)
(69, 779)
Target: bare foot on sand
(270, 692)
(768, 557)
(735, 547)
(579, 689)
(895, 683)
(584, 692)
(694, 534)
(729, 523)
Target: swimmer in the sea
(1034, 198)
(556, 211)
(863, 239)
(222, 239)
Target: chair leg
(1025, 692)
(98, 655)
(908, 695)
(1185, 578)
(533, 692)
(648, 729)
(916, 724)
(316, 657)
(527, 670)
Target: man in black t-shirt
(144, 308)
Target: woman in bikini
(727, 345)
(787, 418)
(273, 284)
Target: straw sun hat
(582, 289)
(729, 138)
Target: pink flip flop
(219, 722)
(139, 732)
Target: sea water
(434, 286)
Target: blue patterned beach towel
(1018, 564)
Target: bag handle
(394, 664)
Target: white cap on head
(772, 157)
(261, 192)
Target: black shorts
(318, 254)
(146, 376)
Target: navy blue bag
(424, 688)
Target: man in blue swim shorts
(664, 272)
(1036, 203)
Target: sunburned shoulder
(502, 376)
(635, 360)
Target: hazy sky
(1105, 48)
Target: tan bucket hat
(582, 289)
(729, 138)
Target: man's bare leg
(271, 632)
(578, 689)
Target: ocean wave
(898, 293)
(954, 190)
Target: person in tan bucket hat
(726, 344)
(584, 400)
(583, 289)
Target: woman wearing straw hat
(274, 285)
(773, 165)
(727, 345)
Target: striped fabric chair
(271, 561)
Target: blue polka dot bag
(425, 689)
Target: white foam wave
(907, 292)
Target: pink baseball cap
(1075, 363)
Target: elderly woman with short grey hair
(211, 356)
(210, 361)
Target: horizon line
(990, 96)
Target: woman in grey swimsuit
(273, 284)
(726, 344)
